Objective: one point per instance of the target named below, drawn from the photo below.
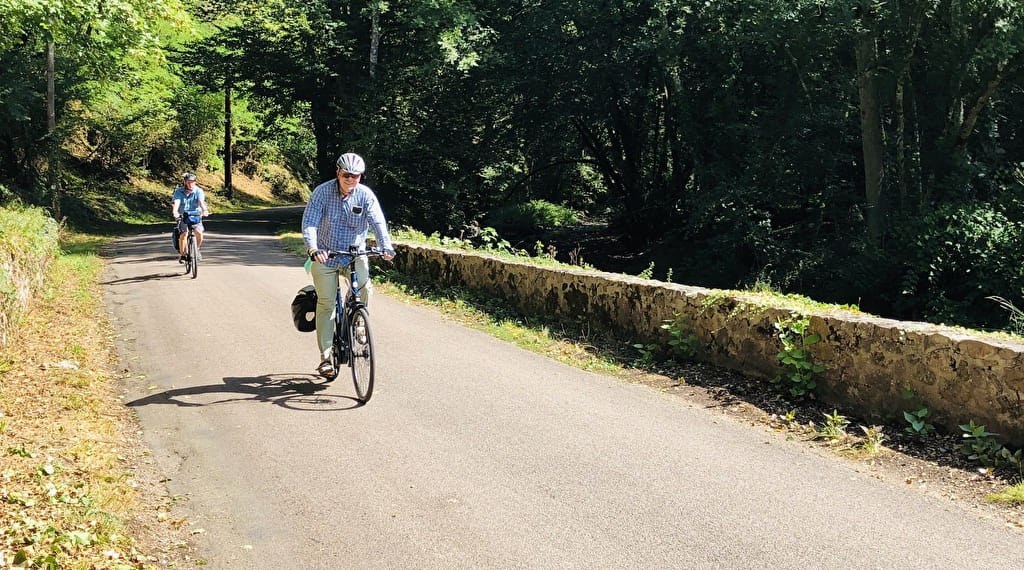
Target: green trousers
(326, 281)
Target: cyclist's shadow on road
(141, 278)
(293, 391)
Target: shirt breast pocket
(355, 216)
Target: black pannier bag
(175, 234)
(304, 309)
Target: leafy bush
(117, 135)
(980, 446)
(956, 257)
(530, 216)
(28, 241)
(283, 184)
(197, 133)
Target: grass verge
(73, 466)
(1012, 495)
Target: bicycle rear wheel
(188, 261)
(361, 354)
(193, 254)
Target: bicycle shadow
(141, 278)
(295, 392)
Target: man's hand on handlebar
(318, 255)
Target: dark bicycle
(353, 344)
(192, 252)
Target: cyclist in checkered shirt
(338, 215)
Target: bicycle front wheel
(361, 354)
(188, 257)
(193, 254)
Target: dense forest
(854, 151)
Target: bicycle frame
(352, 342)
(344, 308)
(192, 248)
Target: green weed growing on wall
(917, 417)
(682, 344)
(981, 446)
(797, 371)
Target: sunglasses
(350, 175)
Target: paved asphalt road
(473, 453)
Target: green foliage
(647, 273)
(197, 133)
(982, 447)
(834, 427)
(101, 49)
(124, 128)
(288, 141)
(1013, 494)
(490, 240)
(1016, 325)
(531, 216)
(873, 439)
(958, 256)
(916, 417)
(796, 374)
(648, 355)
(542, 251)
(667, 119)
(487, 241)
(28, 243)
(683, 345)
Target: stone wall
(868, 361)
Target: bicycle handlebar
(331, 254)
(372, 252)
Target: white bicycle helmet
(351, 162)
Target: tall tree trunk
(374, 38)
(53, 173)
(911, 14)
(872, 137)
(228, 186)
(322, 118)
(901, 144)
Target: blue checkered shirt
(332, 222)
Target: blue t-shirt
(189, 202)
